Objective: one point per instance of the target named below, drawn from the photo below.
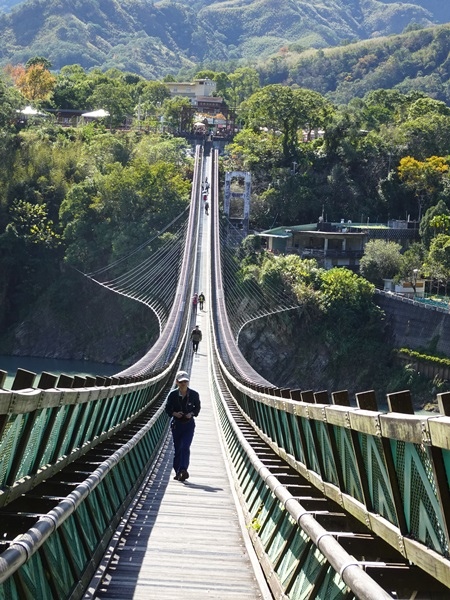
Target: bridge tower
(236, 203)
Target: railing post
(367, 400)
(24, 379)
(401, 402)
(47, 381)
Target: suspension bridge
(293, 494)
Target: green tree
(426, 106)
(115, 97)
(155, 92)
(243, 82)
(222, 84)
(381, 260)
(423, 178)
(279, 108)
(441, 224)
(438, 260)
(346, 296)
(73, 88)
(38, 60)
(428, 229)
(30, 223)
(177, 113)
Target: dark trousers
(182, 435)
(195, 345)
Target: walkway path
(185, 540)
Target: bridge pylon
(236, 203)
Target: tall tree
(35, 82)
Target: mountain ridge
(158, 38)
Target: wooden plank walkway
(186, 540)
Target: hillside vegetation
(156, 38)
(415, 61)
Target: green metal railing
(41, 431)
(389, 470)
(299, 557)
(59, 554)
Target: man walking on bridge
(182, 405)
(196, 337)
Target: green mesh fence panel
(297, 445)
(265, 510)
(34, 442)
(311, 462)
(57, 564)
(142, 452)
(333, 587)
(94, 416)
(125, 475)
(271, 429)
(350, 474)
(282, 534)
(73, 540)
(264, 496)
(261, 416)
(104, 502)
(327, 453)
(65, 449)
(31, 580)
(420, 502)
(255, 493)
(133, 472)
(112, 492)
(8, 445)
(86, 527)
(270, 522)
(446, 458)
(53, 437)
(284, 437)
(305, 580)
(83, 416)
(108, 420)
(9, 591)
(292, 556)
(96, 511)
(377, 477)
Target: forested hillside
(156, 38)
(416, 61)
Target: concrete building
(199, 88)
(333, 244)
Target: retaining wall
(415, 325)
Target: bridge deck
(185, 539)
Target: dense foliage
(80, 197)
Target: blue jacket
(189, 404)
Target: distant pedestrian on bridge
(196, 337)
(195, 302)
(183, 404)
(201, 300)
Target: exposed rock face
(93, 324)
(290, 353)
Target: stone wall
(414, 325)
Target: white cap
(182, 376)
